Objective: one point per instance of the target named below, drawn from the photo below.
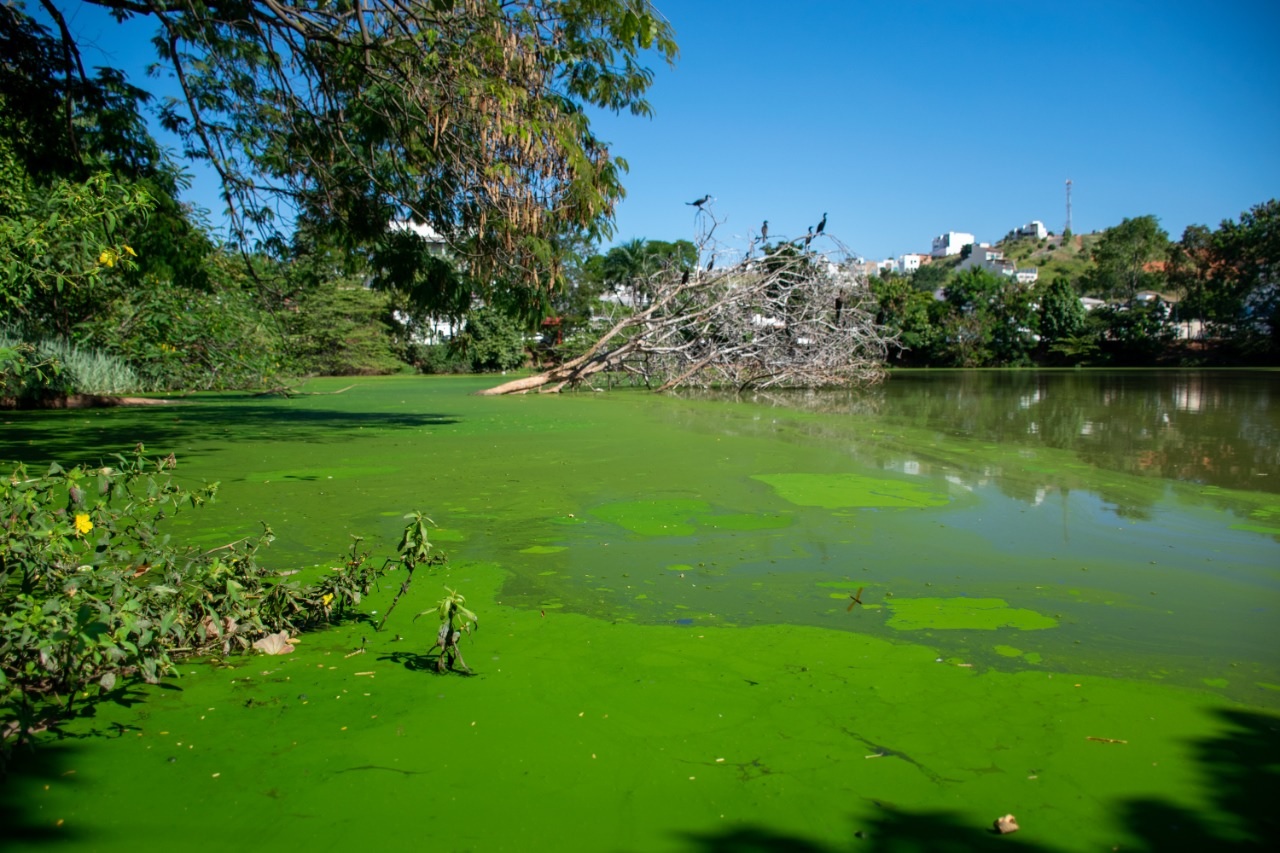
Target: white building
(909, 263)
(1035, 228)
(951, 243)
(993, 260)
(436, 243)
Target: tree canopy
(1123, 256)
(467, 115)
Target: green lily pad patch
(980, 614)
(837, 491)
(543, 549)
(654, 518)
(1257, 528)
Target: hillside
(1051, 256)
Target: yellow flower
(107, 258)
(83, 524)
(130, 250)
(326, 598)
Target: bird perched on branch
(808, 237)
(764, 231)
(821, 225)
(711, 264)
(700, 202)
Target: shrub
(93, 593)
(55, 367)
(440, 358)
(492, 341)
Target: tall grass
(66, 369)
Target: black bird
(764, 231)
(808, 237)
(684, 279)
(822, 225)
(700, 202)
(711, 264)
(839, 308)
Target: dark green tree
(931, 277)
(1124, 258)
(1246, 277)
(904, 312)
(492, 341)
(1061, 314)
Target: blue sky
(907, 119)
(904, 119)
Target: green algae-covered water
(1068, 588)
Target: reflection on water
(1219, 428)
(1137, 508)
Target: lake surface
(1068, 586)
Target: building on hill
(911, 262)
(1035, 228)
(993, 260)
(951, 243)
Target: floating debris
(1005, 825)
(274, 644)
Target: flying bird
(764, 230)
(700, 202)
(822, 225)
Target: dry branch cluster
(788, 318)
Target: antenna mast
(1068, 228)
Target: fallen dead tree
(787, 317)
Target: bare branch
(786, 319)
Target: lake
(849, 620)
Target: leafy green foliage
(1123, 255)
(340, 331)
(1230, 279)
(177, 338)
(94, 593)
(455, 619)
(62, 256)
(57, 367)
(1133, 334)
(465, 115)
(906, 311)
(492, 341)
(1061, 314)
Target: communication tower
(1068, 228)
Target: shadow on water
(418, 662)
(21, 821)
(70, 437)
(1241, 774)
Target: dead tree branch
(788, 318)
